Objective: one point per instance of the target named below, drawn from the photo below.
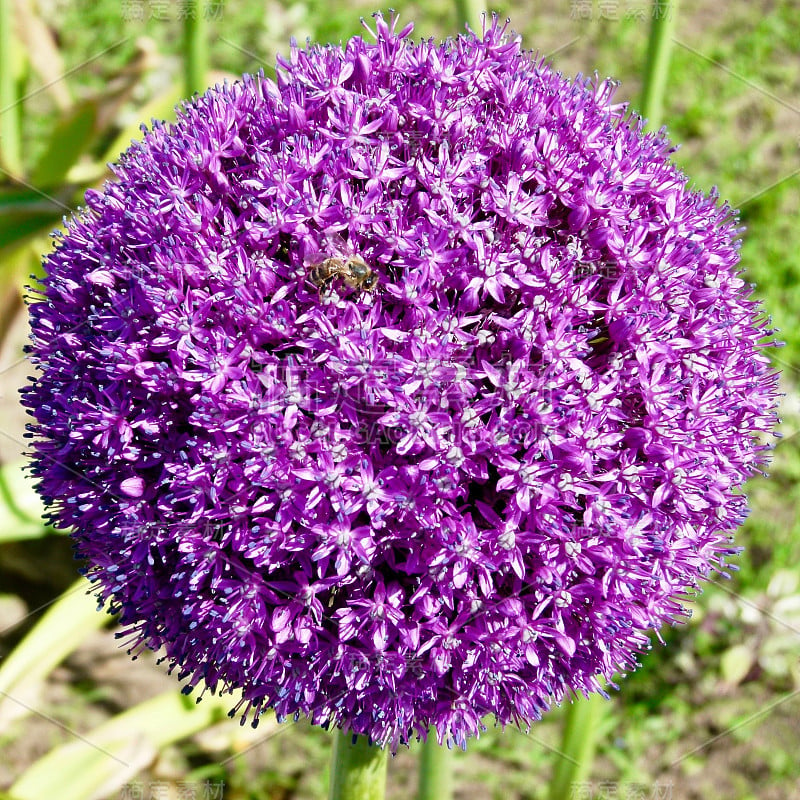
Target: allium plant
(470, 485)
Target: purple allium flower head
(466, 489)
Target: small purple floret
(467, 490)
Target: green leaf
(21, 508)
(60, 631)
(69, 139)
(25, 212)
(106, 758)
(161, 108)
(10, 101)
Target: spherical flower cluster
(413, 387)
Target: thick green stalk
(10, 140)
(195, 47)
(578, 742)
(470, 11)
(435, 771)
(358, 770)
(659, 46)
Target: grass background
(712, 714)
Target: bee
(350, 268)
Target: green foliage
(58, 633)
(734, 658)
(21, 508)
(24, 213)
(101, 762)
(69, 139)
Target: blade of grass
(24, 214)
(42, 53)
(69, 139)
(21, 507)
(60, 631)
(16, 266)
(106, 758)
(10, 137)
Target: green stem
(577, 745)
(195, 47)
(358, 770)
(435, 771)
(470, 11)
(10, 140)
(662, 26)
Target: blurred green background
(716, 713)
